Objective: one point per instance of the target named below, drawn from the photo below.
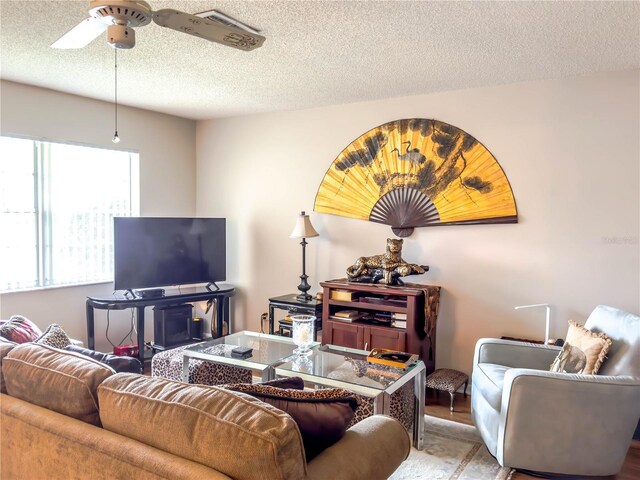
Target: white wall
(570, 148)
(166, 145)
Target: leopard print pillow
(321, 395)
(54, 336)
(322, 416)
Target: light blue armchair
(535, 420)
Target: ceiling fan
(120, 17)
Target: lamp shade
(303, 228)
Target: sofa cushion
(54, 336)
(233, 433)
(55, 379)
(118, 363)
(323, 416)
(488, 378)
(20, 329)
(583, 351)
(5, 347)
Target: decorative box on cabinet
(419, 303)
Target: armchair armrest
(371, 449)
(515, 354)
(567, 421)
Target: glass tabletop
(343, 367)
(267, 349)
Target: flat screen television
(158, 252)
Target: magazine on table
(392, 358)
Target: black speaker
(172, 325)
(196, 328)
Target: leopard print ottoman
(448, 380)
(168, 364)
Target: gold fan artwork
(417, 173)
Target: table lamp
(303, 230)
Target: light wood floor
(439, 407)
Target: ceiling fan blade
(81, 35)
(219, 17)
(200, 27)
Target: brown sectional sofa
(152, 428)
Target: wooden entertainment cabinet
(419, 303)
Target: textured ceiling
(321, 52)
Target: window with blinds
(57, 203)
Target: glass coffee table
(393, 391)
(267, 350)
(390, 391)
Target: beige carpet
(452, 451)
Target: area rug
(452, 451)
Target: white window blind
(56, 212)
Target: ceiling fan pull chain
(116, 138)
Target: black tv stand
(122, 301)
(128, 292)
(208, 286)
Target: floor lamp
(303, 230)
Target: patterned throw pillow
(322, 416)
(20, 329)
(54, 336)
(583, 351)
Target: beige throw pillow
(583, 351)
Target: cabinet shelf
(364, 323)
(368, 306)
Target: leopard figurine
(388, 267)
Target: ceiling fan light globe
(121, 36)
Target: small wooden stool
(448, 380)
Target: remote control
(241, 351)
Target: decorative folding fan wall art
(417, 173)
